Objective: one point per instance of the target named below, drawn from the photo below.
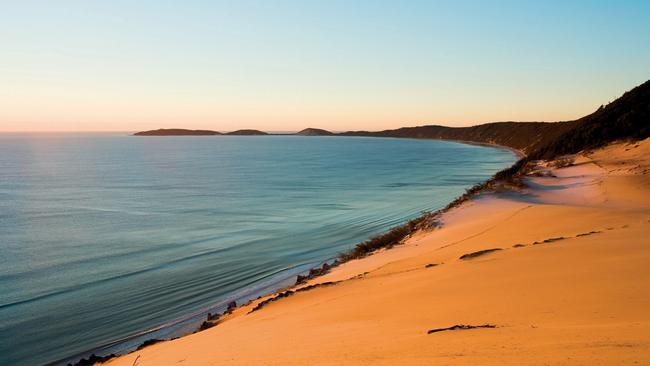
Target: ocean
(107, 239)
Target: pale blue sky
(285, 65)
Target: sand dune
(570, 285)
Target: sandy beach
(569, 284)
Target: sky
(123, 65)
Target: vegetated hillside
(314, 132)
(628, 117)
(247, 133)
(523, 136)
(176, 132)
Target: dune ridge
(570, 285)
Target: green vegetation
(391, 238)
(626, 118)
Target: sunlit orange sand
(570, 285)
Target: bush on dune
(391, 238)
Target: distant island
(242, 132)
(523, 137)
(315, 132)
(177, 132)
(623, 118)
(247, 133)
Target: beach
(204, 221)
(568, 283)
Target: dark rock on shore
(231, 306)
(92, 359)
(148, 343)
(315, 272)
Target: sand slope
(581, 295)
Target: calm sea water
(104, 237)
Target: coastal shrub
(289, 293)
(315, 272)
(471, 192)
(148, 343)
(386, 240)
(563, 162)
(393, 237)
(626, 118)
(430, 220)
(206, 325)
(92, 359)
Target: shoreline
(380, 263)
(520, 154)
(192, 323)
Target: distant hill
(314, 132)
(247, 133)
(523, 136)
(626, 117)
(176, 132)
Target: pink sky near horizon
(122, 115)
(337, 65)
